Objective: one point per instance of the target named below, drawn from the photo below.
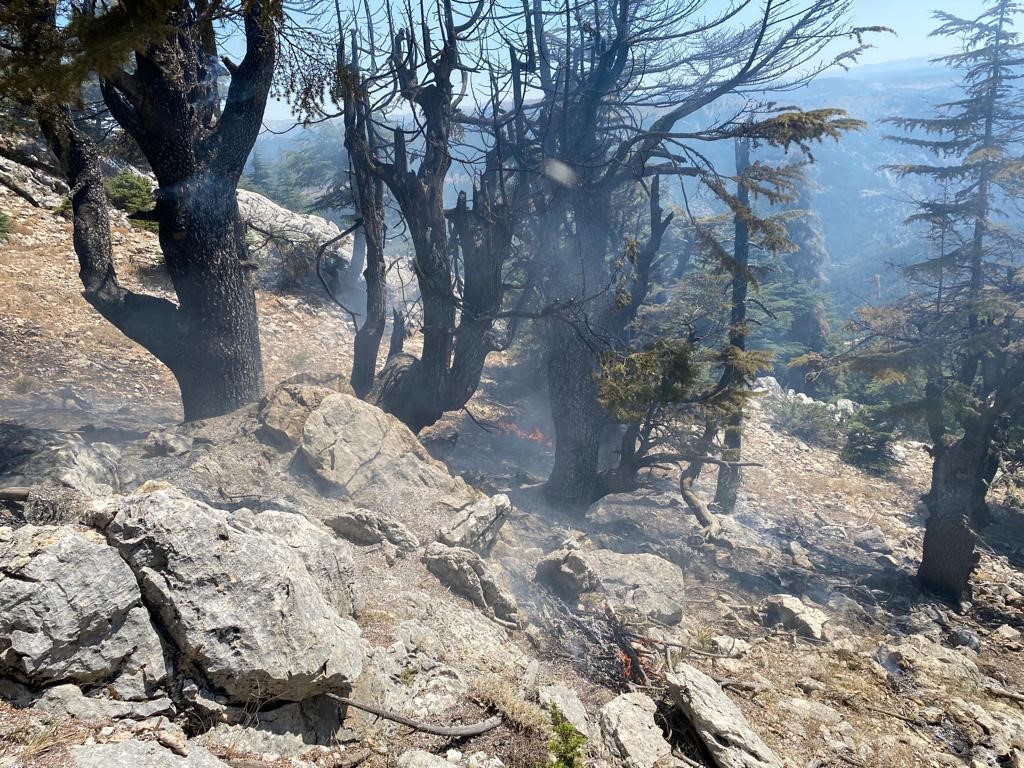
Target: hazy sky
(912, 20)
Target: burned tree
(601, 69)
(196, 144)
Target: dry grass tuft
(501, 693)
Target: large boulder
(465, 573)
(631, 735)
(237, 599)
(70, 611)
(477, 526)
(361, 451)
(644, 583)
(718, 722)
(288, 254)
(283, 412)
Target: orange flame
(535, 435)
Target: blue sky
(912, 21)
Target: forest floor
(893, 683)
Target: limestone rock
(286, 730)
(477, 526)
(69, 700)
(568, 703)
(291, 255)
(361, 526)
(283, 412)
(136, 754)
(792, 613)
(465, 573)
(645, 583)
(417, 758)
(240, 605)
(718, 722)
(873, 540)
(167, 443)
(358, 449)
(328, 560)
(71, 611)
(630, 733)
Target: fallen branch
(20, 191)
(452, 731)
(14, 493)
(897, 715)
(996, 690)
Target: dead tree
(196, 144)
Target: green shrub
(870, 442)
(566, 745)
(5, 224)
(131, 193)
(64, 209)
(811, 421)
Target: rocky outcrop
(630, 734)
(240, 604)
(717, 722)
(361, 526)
(793, 613)
(136, 754)
(567, 701)
(283, 412)
(477, 526)
(642, 583)
(70, 611)
(465, 573)
(360, 451)
(285, 243)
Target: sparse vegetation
(811, 421)
(5, 225)
(131, 192)
(567, 743)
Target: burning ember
(534, 435)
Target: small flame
(534, 435)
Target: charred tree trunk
(730, 477)
(170, 106)
(955, 498)
(203, 241)
(483, 235)
(578, 419)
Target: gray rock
(465, 573)
(967, 638)
(792, 613)
(280, 266)
(328, 560)
(873, 540)
(361, 526)
(631, 735)
(140, 754)
(477, 526)
(645, 583)
(718, 722)
(417, 758)
(71, 611)
(69, 700)
(358, 449)
(166, 443)
(282, 413)
(568, 703)
(286, 730)
(240, 605)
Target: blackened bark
(483, 235)
(731, 477)
(171, 108)
(953, 500)
(578, 419)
